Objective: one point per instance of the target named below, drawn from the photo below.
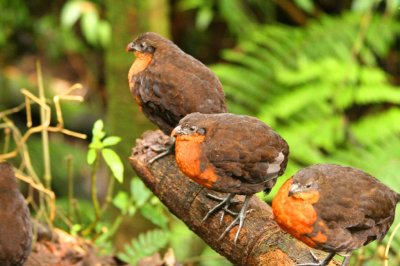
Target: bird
(168, 84)
(15, 222)
(234, 154)
(334, 208)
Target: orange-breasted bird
(335, 208)
(168, 84)
(234, 154)
(15, 222)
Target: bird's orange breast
(141, 62)
(297, 216)
(188, 158)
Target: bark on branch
(261, 241)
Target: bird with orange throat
(234, 154)
(334, 208)
(168, 84)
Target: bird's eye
(150, 49)
(201, 131)
(308, 185)
(143, 45)
(192, 128)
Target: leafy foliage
(144, 245)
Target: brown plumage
(169, 84)
(335, 208)
(235, 154)
(15, 223)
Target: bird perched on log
(15, 222)
(168, 84)
(334, 208)
(229, 153)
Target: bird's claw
(163, 151)
(318, 262)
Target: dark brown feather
(15, 223)
(175, 84)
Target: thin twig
(386, 259)
(45, 134)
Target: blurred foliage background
(325, 74)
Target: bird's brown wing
(245, 149)
(362, 213)
(169, 91)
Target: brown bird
(229, 153)
(335, 208)
(15, 222)
(168, 84)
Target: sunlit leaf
(139, 191)
(110, 141)
(306, 5)
(155, 215)
(98, 129)
(114, 162)
(89, 23)
(70, 13)
(121, 201)
(91, 156)
(204, 17)
(104, 33)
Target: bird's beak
(179, 131)
(294, 188)
(176, 131)
(131, 47)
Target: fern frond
(144, 245)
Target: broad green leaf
(306, 5)
(114, 162)
(139, 191)
(70, 13)
(89, 24)
(121, 201)
(204, 17)
(110, 141)
(155, 215)
(104, 33)
(91, 156)
(98, 131)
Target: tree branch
(261, 241)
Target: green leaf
(204, 17)
(306, 5)
(114, 162)
(155, 215)
(91, 156)
(104, 33)
(89, 24)
(110, 141)
(70, 13)
(98, 129)
(140, 193)
(121, 201)
(144, 245)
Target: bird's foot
(163, 151)
(223, 205)
(239, 220)
(317, 262)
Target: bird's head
(192, 125)
(305, 184)
(188, 130)
(146, 43)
